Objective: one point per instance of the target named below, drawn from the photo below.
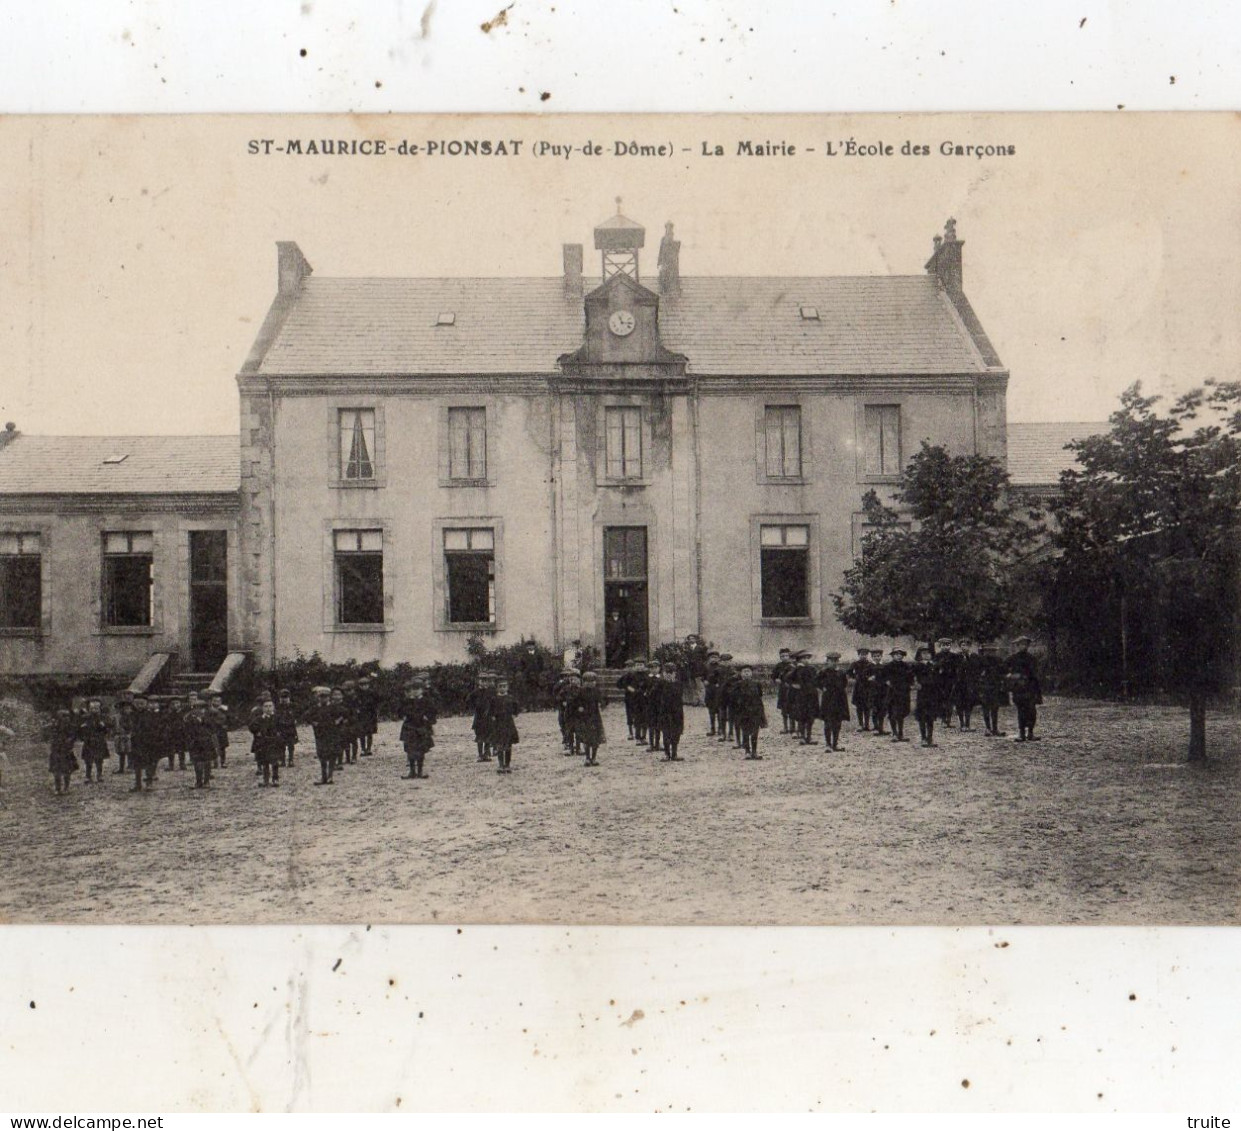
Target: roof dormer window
(809, 313)
(446, 318)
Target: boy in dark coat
(834, 699)
(566, 696)
(217, 713)
(256, 712)
(480, 700)
(965, 694)
(750, 713)
(927, 705)
(325, 718)
(587, 710)
(805, 700)
(122, 720)
(368, 715)
(286, 721)
(351, 732)
(145, 752)
(992, 689)
(504, 736)
(670, 712)
(93, 731)
(877, 692)
(779, 673)
(859, 672)
(200, 737)
(898, 677)
(947, 661)
(417, 729)
(1025, 688)
(61, 735)
(268, 744)
(174, 728)
(654, 697)
(627, 685)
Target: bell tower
(619, 240)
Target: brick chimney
(291, 267)
(945, 261)
(669, 263)
(573, 270)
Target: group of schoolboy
(945, 680)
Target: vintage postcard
(620, 520)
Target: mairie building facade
(617, 458)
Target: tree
(946, 558)
(1152, 512)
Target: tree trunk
(1197, 728)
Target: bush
(530, 668)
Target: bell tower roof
(619, 240)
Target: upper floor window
(21, 581)
(467, 443)
(357, 443)
(623, 441)
(128, 578)
(882, 442)
(783, 430)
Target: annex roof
(725, 325)
(1036, 452)
(120, 465)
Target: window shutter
(773, 437)
(615, 443)
(459, 444)
(891, 440)
(478, 443)
(792, 441)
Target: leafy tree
(1152, 512)
(946, 558)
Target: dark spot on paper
(1000, 945)
(398, 1101)
(32, 1005)
(302, 53)
(458, 930)
(965, 1083)
(337, 965)
(1083, 23)
(634, 1018)
(1133, 997)
(378, 85)
(545, 96)
(1172, 80)
(498, 20)
(424, 24)
(420, 1015)
(392, 981)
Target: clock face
(621, 323)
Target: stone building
(618, 460)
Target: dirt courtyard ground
(1100, 822)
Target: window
(21, 581)
(357, 443)
(467, 443)
(624, 441)
(862, 528)
(785, 566)
(470, 570)
(883, 439)
(128, 578)
(359, 576)
(783, 427)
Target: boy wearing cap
(480, 699)
(145, 751)
(834, 699)
(992, 689)
(1024, 687)
(627, 685)
(784, 665)
(927, 698)
(898, 677)
(654, 674)
(725, 724)
(368, 715)
(93, 731)
(504, 736)
(877, 691)
(324, 719)
(286, 720)
(859, 672)
(217, 713)
(417, 728)
(267, 744)
(711, 691)
(587, 711)
(122, 718)
(805, 702)
(965, 694)
(751, 715)
(61, 736)
(670, 712)
(200, 739)
(947, 661)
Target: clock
(621, 323)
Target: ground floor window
(785, 566)
(359, 576)
(470, 570)
(128, 578)
(21, 581)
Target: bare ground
(1100, 822)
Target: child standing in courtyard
(93, 731)
(504, 710)
(587, 711)
(417, 728)
(62, 734)
(749, 712)
(268, 745)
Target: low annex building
(616, 460)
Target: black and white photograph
(711, 520)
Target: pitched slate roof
(1036, 453)
(724, 325)
(161, 465)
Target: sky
(137, 255)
